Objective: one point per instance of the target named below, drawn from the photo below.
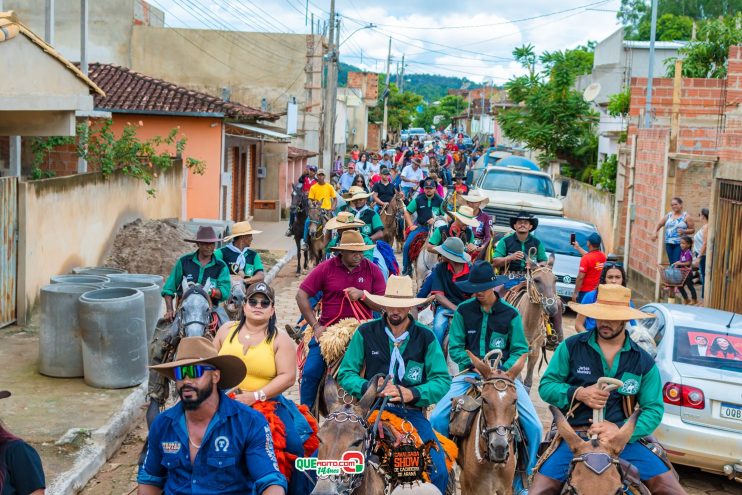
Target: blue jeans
(673, 252)
(649, 465)
(406, 249)
(306, 230)
(296, 433)
(439, 474)
(314, 369)
(426, 287)
(447, 177)
(529, 421)
(512, 282)
(440, 322)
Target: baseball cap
(385, 171)
(313, 168)
(428, 183)
(260, 288)
(320, 172)
(595, 239)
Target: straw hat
(199, 350)
(205, 234)
(612, 304)
(352, 240)
(453, 249)
(476, 196)
(356, 192)
(398, 294)
(240, 229)
(466, 216)
(344, 220)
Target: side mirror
(564, 188)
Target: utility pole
(326, 139)
(386, 94)
(650, 72)
(334, 95)
(82, 163)
(49, 22)
(401, 77)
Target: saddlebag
(464, 409)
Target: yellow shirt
(325, 193)
(260, 361)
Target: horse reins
(194, 290)
(501, 384)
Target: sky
(463, 38)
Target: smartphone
(572, 238)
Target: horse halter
(346, 415)
(535, 296)
(501, 384)
(196, 289)
(598, 463)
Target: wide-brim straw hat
(465, 215)
(398, 294)
(205, 234)
(612, 304)
(352, 240)
(344, 220)
(453, 249)
(199, 350)
(355, 193)
(240, 229)
(476, 196)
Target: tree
(707, 56)
(551, 116)
(670, 27)
(402, 107)
(635, 16)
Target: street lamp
(370, 25)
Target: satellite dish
(591, 92)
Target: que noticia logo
(351, 463)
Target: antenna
(591, 92)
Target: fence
(589, 204)
(8, 256)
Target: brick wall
(374, 137)
(368, 82)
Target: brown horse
(536, 304)
(488, 455)
(390, 215)
(318, 216)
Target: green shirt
(437, 211)
(436, 372)
(501, 249)
(436, 239)
(222, 281)
(228, 256)
(457, 339)
(554, 388)
(370, 228)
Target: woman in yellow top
(270, 358)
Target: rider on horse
(307, 180)
(357, 200)
(570, 383)
(239, 257)
(404, 350)
(345, 275)
(479, 325)
(325, 194)
(461, 227)
(476, 201)
(427, 206)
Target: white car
(699, 355)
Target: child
(685, 261)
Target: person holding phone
(591, 265)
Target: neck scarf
(396, 354)
(239, 263)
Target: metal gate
(726, 266)
(8, 244)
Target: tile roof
(300, 153)
(129, 90)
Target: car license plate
(731, 411)
(564, 291)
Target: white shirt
(411, 175)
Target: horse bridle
(346, 415)
(535, 296)
(501, 384)
(598, 468)
(196, 289)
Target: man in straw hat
(452, 268)
(207, 441)
(198, 267)
(479, 325)
(427, 206)
(463, 226)
(476, 200)
(397, 346)
(239, 257)
(357, 200)
(571, 380)
(344, 276)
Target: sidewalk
(272, 236)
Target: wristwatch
(260, 396)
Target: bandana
(396, 355)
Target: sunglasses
(263, 303)
(192, 371)
(612, 264)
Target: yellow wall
(71, 221)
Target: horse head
(542, 288)
(499, 405)
(314, 211)
(195, 308)
(298, 197)
(594, 468)
(237, 296)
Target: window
(504, 180)
(708, 348)
(556, 239)
(655, 327)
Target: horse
(317, 240)
(236, 301)
(300, 206)
(487, 456)
(391, 214)
(536, 304)
(426, 260)
(345, 429)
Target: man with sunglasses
(208, 442)
(427, 206)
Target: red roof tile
(300, 153)
(129, 90)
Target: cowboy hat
(205, 234)
(481, 277)
(466, 216)
(356, 192)
(612, 304)
(344, 220)
(398, 294)
(4, 394)
(522, 215)
(476, 196)
(352, 240)
(453, 249)
(240, 229)
(199, 350)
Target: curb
(107, 439)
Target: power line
(269, 15)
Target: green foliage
(402, 107)
(605, 177)
(635, 16)
(619, 104)
(551, 115)
(40, 147)
(707, 56)
(670, 27)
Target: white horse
(426, 260)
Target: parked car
(488, 158)
(555, 234)
(701, 385)
(415, 132)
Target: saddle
(417, 246)
(464, 409)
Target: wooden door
(239, 186)
(726, 265)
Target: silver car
(699, 355)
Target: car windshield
(556, 238)
(709, 348)
(504, 180)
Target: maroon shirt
(332, 278)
